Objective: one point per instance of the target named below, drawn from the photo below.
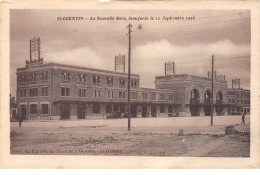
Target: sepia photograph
(130, 82)
(103, 85)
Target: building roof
(156, 90)
(184, 77)
(77, 68)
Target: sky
(94, 43)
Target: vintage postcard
(124, 85)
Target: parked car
(173, 114)
(115, 115)
(236, 113)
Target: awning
(110, 102)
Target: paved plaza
(139, 122)
(148, 137)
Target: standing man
(243, 119)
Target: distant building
(238, 99)
(13, 107)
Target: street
(148, 137)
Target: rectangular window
(96, 108)
(121, 95)
(81, 92)
(44, 91)
(22, 93)
(170, 97)
(162, 97)
(110, 81)
(96, 79)
(34, 92)
(122, 82)
(133, 83)
(44, 76)
(33, 109)
(96, 93)
(82, 78)
(65, 76)
(23, 79)
(153, 97)
(62, 91)
(45, 109)
(33, 78)
(133, 95)
(110, 94)
(65, 92)
(144, 96)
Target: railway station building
(193, 93)
(59, 91)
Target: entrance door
(133, 110)
(116, 107)
(207, 110)
(153, 111)
(81, 111)
(144, 111)
(64, 111)
(194, 110)
(122, 109)
(108, 108)
(219, 110)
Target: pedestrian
(243, 119)
(20, 119)
(122, 115)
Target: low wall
(162, 115)
(184, 114)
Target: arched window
(207, 97)
(194, 97)
(219, 98)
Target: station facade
(58, 91)
(193, 93)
